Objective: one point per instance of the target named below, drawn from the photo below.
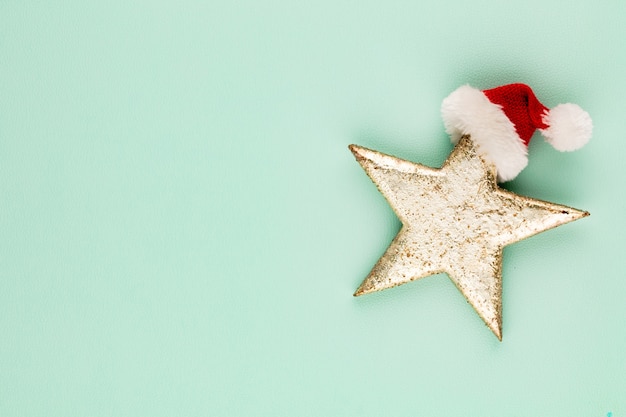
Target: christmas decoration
(455, 220)
(502, 121)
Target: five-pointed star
(455, 220)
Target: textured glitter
(454, 220)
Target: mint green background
(182, 225)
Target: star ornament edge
(455, 219)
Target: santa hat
(502, 120)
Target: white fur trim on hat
(569, 128)
(467, 111)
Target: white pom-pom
(569, 128)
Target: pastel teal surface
(182, 225)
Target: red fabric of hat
(521, 106)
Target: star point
(456, 220)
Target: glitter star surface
(454, 220)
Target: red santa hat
(502, 120)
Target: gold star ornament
(454, 220)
